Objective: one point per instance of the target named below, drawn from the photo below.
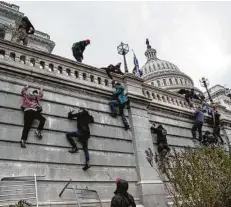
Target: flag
(136, 70)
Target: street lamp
(205, 83)
(123, 49)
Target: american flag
(136, 69)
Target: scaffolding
(22, 188)
(82, 195)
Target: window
(99, 80)
(106, 82)
(163, 65)
(152, 83)
(2, 54)
(176, 81)
(164, 82)
(51, 67)
(32, 62)
(92, 78)
(158, 83)
(42, 65)
(170, 81)
(158, 65)
(150, 69)
(154, 67)
(181, 82)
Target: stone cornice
(10, 13)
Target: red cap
(88, 41)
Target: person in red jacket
(32, 110)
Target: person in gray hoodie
(198, 124)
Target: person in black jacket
(78, 49)
(208, 139)
(122, 198)
(216, 126)
(83, 133)
(23, 29)
(113, 69)
(162, 143)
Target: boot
(126, 127)
(87, 166)
(73, 150)
(38, 134)
(114, 115)
(22, 143)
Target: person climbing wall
(32, 110)
(83, 133)
(122, 198)
(23, 29)
(113, 69)
(78, 49)
(208, 139)
(162, 143)
(119, 101)
(198, 124)
(216, 124)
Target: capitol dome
(163, 74)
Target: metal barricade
(15, 189)
(83, 195)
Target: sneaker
(73, 150)
(38, 134)
(113, 115)
(127, 127)
(22, 143)
(87, 166)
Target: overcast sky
(195, 36)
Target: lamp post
(205, 83)
(123, 49)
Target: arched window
(51, 67)
(158, 83)
(170, 81)
(23, 59)
(164, 81)
(181, 82)
(148, 94)
(42, 65)
(60, 70)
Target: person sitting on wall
(78, 49)
(208, 139)
(113, 69)
(162, 143)
(216, 124)
(190, 94)
(122, 198)
(83, 133)
(198, 124)
(119, 100)
(32, 110)
(23, 29)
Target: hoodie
(122, 198)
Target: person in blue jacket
(119, 101)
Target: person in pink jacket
(32, 110)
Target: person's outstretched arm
(40, 93)
(24, 91)
(71, 115)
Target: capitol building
(46, 166)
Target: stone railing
(48, 64)
(165, 97)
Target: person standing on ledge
(83, 133)
(122, 198)
(119, 100)
(78, 49)
(32, 110)
(23, 29)
(199, 121)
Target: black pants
(82, 139)
(216, 133)
(197, 126)
(29, 117)
(78, 56)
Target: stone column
(150, 186)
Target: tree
(200, 177)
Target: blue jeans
(82, 139)
(113, 105)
